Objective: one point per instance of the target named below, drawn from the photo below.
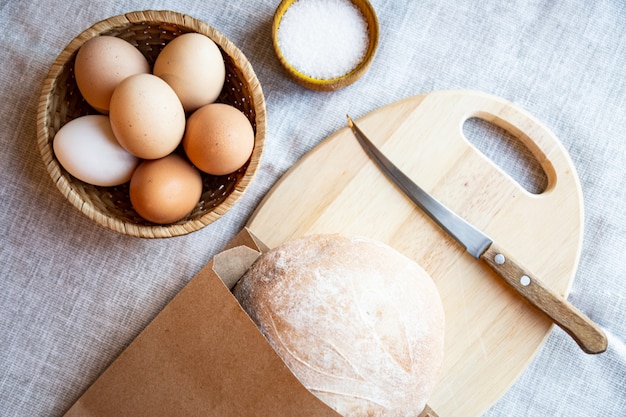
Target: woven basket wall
(61, 102)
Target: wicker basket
(61, 102)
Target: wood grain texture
(585, 332)
(491, 332)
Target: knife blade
(589, 336)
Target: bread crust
(358, 323)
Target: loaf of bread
(359, 324)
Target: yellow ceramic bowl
(337, 83)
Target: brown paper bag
(202, 356)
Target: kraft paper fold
(202, 356)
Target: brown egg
(146, 116)
(193, 66)
(165, 190)
(219, 139)
(101, 64)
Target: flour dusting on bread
(358, 323)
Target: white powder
(323, 39)
(358, 323)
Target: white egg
(87, 148)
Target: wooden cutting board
(491, 333)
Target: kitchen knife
(585, 332)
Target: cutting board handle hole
(508, 152)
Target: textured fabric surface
(73, 294)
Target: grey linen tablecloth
(73, 294)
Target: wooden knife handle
(585, 332)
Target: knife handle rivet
(499, 259)
(525, 280)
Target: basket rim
(53, 167)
